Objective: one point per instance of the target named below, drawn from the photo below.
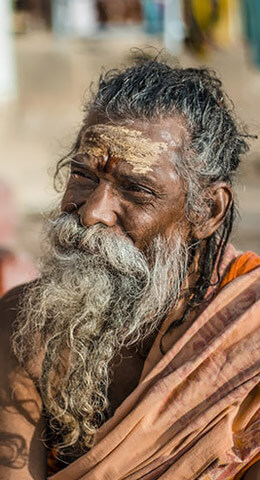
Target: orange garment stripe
(241, 265)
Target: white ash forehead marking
(128, 144)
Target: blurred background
(52, 50)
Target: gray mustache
(67, 237)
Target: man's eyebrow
(129, 177)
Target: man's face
(123, 176)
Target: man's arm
(22, 453)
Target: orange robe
(196, 411)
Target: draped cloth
(195, 413)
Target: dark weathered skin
(22, 453)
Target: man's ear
(221, 199)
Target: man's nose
(101, 206)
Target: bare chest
(127, 371)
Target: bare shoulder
(9, 305)
(22, 453)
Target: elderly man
(135, 355)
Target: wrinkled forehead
(141, 144)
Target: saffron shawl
(196, 411)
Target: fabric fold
(193, 407)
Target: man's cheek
(143, 232)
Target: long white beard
(97, 292)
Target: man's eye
(78, 175)
(139, 189)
